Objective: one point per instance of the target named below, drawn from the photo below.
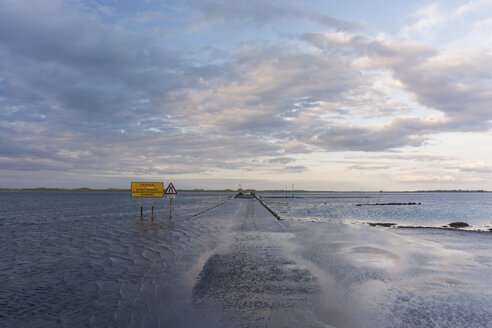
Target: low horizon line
(244, 190)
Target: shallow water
(432, 209)
(86, 259)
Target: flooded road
(235, 265)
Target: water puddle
(372, 256)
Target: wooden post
(152, 208)
(141, 208)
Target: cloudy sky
(325, 95)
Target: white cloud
(429, 19)
(433, 19)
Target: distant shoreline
(97, 190)
(43, 189)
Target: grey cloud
(338, 24)
(42, 149)
(65, 66)
(362, 139)
(295, 168)
(370, 166)
(294, 146)
(481, 168)
(459, 87)
(31, 164)
(261, 123)
(264, 92)
(281, 160)
(456, 84)
(412, 157)
(254, 11)
(78, 95)
(263, 12)
(392, 52)
(401, 132)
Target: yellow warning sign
(147, 189)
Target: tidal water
(86, 259)
(427, 209)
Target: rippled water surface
(86, 259)
(432, 209)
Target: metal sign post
(171, 197)
(171, 193)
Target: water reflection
(372, 256)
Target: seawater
(431, 209)
(86, 259)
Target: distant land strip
(42, 189)
(289, 193)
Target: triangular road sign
(170, 190)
